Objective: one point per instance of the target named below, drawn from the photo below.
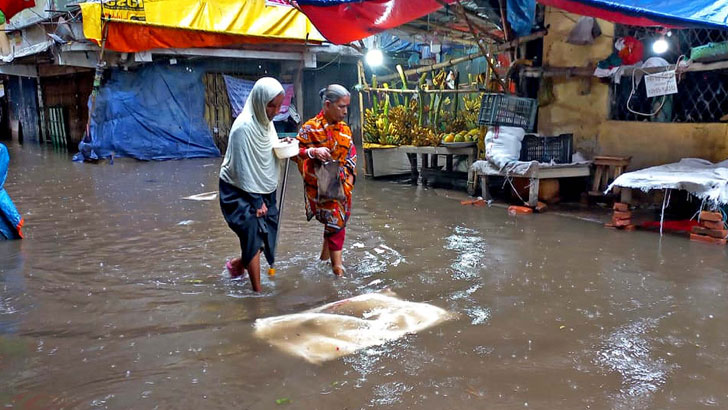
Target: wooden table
(429, 159)
(536, 173)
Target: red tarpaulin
(13, 7)
(345, 21)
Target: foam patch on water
(347, 326)
(628, 352)
(388, 394)
(478, 315)
(470, 248)
(378, 260)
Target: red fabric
(573, 6)
(335, 241)
(20, 228)
(632, 52)
(13, 7)
(344, 23)
(131, 38)
(676, 226)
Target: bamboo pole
(469, 57)
(360, 72)
(400, 91)
(483, 51)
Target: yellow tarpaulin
(136, 25)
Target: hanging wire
(634, 88)
(665, 204)
(338, 58)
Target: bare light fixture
(374, 57)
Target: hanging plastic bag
(584, 32)
(328, 177)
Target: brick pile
(621, 218)
(711, 230)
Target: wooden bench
(535, 173)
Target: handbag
(328, 176)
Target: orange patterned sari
(315, 133)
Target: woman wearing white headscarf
(249, 178)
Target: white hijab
(249, 162)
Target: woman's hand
(321, 153)
(262, 211)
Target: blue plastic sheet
(10, 219)
(680, 13)
(521, 14)
(154, 113)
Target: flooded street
(116, 299)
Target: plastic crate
(544, 149)
(507, 110)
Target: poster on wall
(239, 90)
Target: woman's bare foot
(235, 268)
(338, 270)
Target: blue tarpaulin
(676, 13)
(10, 219)
(154, 113)
(521, 14)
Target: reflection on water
(117, 299)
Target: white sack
(503, 145)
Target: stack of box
(711, 229)
(621, 218)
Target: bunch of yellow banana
(471, 104)
(422, 136)
(401, 121)
(439, 79)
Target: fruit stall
(417, 126)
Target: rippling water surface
(116, 299)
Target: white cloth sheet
(700, 177)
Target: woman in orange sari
(328, 157)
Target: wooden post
(368, 163)
(484, 187)
(298, 90)
(472, 176)
(626, 196)
(360, 70)
(41, 113)
(533, 193)
(425, 161)
(413, 167)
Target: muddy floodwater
(116, 299)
